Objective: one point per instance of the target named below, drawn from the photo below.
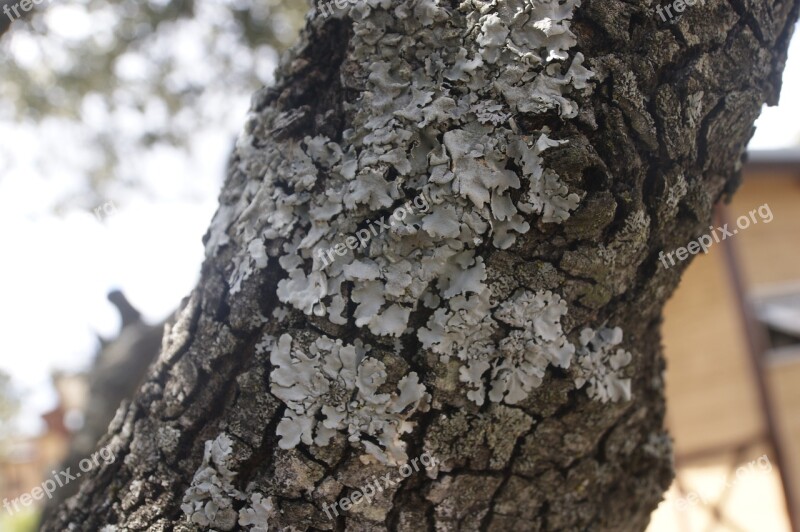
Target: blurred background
(116, 121)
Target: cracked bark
(672, 110)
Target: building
(732, 342)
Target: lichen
(394, 126)
(518, 361)
(209, 500)
(600, 365)
(434, 116)
(333, 387)
(536, 343)
(258, 514)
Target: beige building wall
(712, 400)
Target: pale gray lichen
(518, 363)
(333, 388)
(547, 195)
(536, 342)
(600, 365)
(258, 514)
(209, 500)
(514, 65)
(461, 329)
(434, 116)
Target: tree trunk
(513, 169)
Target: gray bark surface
(657, 141)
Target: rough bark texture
(655, 140)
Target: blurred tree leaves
(119, 78)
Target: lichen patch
(339, 384)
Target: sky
(60, 259)
(56, 269)
(779, 127)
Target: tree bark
(559, 149)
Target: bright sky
(779, 127)
(55, 271)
